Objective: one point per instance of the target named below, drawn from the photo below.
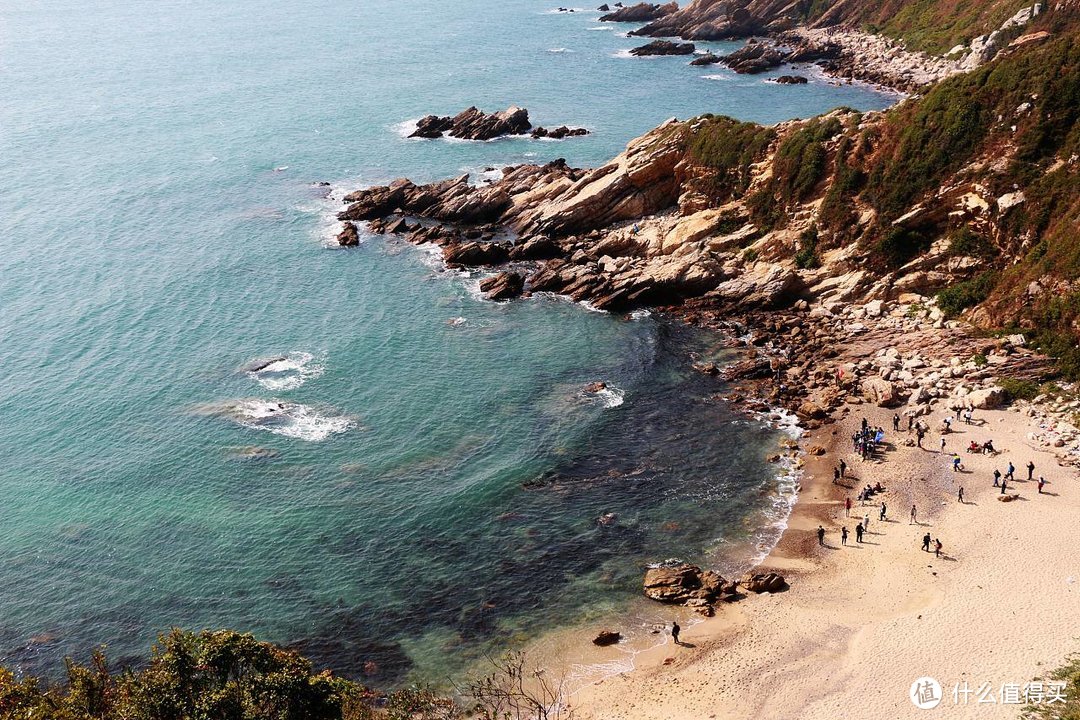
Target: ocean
(415, 476)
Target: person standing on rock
(858, 532)
(675, 632)
(926, 542)
(914, 516)
(820, 535)
(919, 436)
(896, 422)
(843, 535)
(1030, 468)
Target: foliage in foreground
(221, 675)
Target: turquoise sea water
(427, 475)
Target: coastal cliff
(968, 193)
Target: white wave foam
(284, 418)
(722, 78)
(624, 53)
(601, 28)
(287, 373)
(640, 314)
(563, 11)
(405, 128)
(560, 50)
(611, 397)
(592, 308)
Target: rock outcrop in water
(663, 47)
(642, 12)
(474, 124)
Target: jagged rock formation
(664, 47)
(642, 12)
(474, 124)
(755, 57)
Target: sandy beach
(862, 622)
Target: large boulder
(988, 398)
(685, 584)
(764, 582)
(755, 57)
(348, 237)
(607, 637)
(475, 254)
(504, 286)
(880, 391)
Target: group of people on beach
(867, 440)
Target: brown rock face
(717, 20)
(755, 57)
(764, 582)
(685, 585)
(475, 254)
(642, 12)
(504, 286)
(348, 237)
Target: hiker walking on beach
(847, 507)
(896, 422)
(1009, 472)
(858, 532)
(882, 516)
(1030, 468)
(1002, 486)
(866, 521)
(675, 632)
(926, 542)
(997, 477)
(942, 444)
(820, 535)
(960, 495)
(1042, 481)
(956, 465)
(937, 548)
(843, 535)
(843, 469)
(914, 516)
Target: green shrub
(899, 246)
(957, 298)
(1021, 389)
(966, 242)
(807, 258)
